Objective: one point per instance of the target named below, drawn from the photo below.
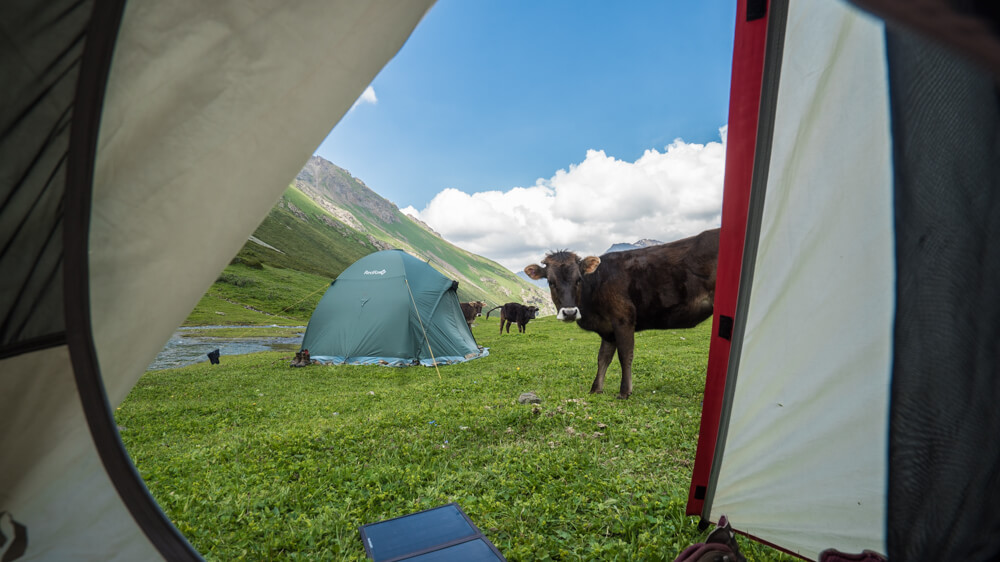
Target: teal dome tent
(390, 308)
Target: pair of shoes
(302, 359)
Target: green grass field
(284, 297)
(255, 460)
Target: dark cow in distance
(470, 310)
(661, 287)
(515, 312)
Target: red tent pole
(744, 103)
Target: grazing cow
(470, 310)
(660, 287)
(516, 313)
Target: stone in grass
(529, 398)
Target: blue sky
(554, 118)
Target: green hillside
(479, 278)
(323, 223)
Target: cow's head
(564, 272)
(532, 312)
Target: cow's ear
(589, 264)
(535, 271)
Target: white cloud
(367, 96)
(599, 202)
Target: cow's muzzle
(569, 314)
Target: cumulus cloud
(367, 96)
(589, 206)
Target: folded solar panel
(440, 534)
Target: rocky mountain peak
(321, 179)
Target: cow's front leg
(626, 348)
(604, 357)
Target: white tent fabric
(852, 374)
(814, 363)
(210, 110)
(52, 476)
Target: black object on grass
(439, 534)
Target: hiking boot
(297, 362)
(305, 358)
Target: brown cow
(660, 287)
(517, 313)
(470, 310)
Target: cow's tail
(491, 310)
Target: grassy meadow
(256, 460)
(259, 295)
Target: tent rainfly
(853, 377)
(390, 308)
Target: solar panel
(440, 534)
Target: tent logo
(13, 538)
(374, 272)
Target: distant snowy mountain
(622, 246)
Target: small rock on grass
(529, 398)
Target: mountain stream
(183, 349)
